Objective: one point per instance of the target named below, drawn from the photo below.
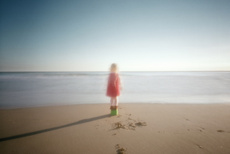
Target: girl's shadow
(54, 128)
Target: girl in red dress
(113, 88)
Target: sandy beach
(139, 128)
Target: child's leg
(112, 101)
(116, 101)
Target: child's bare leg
(111, 101)
(116, 101)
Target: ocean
(33, 89)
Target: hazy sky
(139, 35)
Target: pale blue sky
(139, 35)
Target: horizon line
(118, 71)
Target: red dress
(113, 88)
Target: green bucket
(114, 112)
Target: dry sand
(139, 129)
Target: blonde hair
(113, 68)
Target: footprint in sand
(220, 131)
(119, 125)
(130, 126)
(120, 150)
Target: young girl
(113, 88)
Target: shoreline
(125, 103)
(139, 128)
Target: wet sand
(139, 128)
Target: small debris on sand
(120, 150)
(141, 124)
(220, 131)
(199, 146)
